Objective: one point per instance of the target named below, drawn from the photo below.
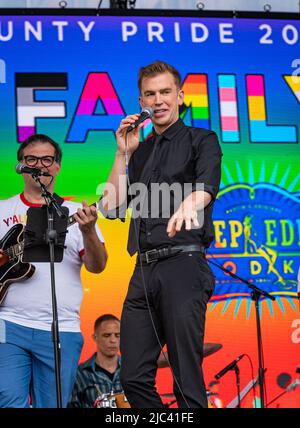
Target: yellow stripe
(293, 82)
(196, 100)
(257, 110)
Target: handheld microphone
(23, 169)
(229, 367)
(146, 113)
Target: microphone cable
(136, 232)
(261, 344)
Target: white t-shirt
(28, 302)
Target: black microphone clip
(230, 366)
(35, 172)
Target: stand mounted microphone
(146, 113)
(23, 169)
(229, 367)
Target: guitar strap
(58, 199)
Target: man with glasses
(26, 347)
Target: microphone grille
(19, 168)
(148, 110)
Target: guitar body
(12, 268)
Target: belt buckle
(148, 253)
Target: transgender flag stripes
(228, 108)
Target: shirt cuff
(118, 212)
(212, 190)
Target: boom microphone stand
(255, 295)
(35, 250)
(237, 376)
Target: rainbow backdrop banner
(74, 78)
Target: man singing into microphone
(26, 347)
(171, 283)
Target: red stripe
(81, 253)
(26, 202)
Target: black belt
(162, 253)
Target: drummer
(98, 378)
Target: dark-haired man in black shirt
(171, 283)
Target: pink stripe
(227, 94)
(98, 85)
(255, 86)
(229, 123)
(25, 132)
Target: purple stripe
(112, 106)
(88, 106)
(25, 132)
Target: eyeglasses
(46, 161)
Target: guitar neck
(17, 249)
(71, 219)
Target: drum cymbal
(208, 349)
(211, 348)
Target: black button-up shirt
(181, 155)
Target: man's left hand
(86, 217)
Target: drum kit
(111, 400)
(208, 349)
(118, 400)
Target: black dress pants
(177, 290)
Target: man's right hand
(132, 137)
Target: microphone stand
(237, 375)
(291, 387)
(169, 403)
(255, 295)
(276, 398)
(51, 239)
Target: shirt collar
(26, 202)
(170, 132)
(90, 363)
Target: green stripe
(200, 112)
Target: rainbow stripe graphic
(228, 108)
(98, 88)
(260, 131)
(196, 97)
